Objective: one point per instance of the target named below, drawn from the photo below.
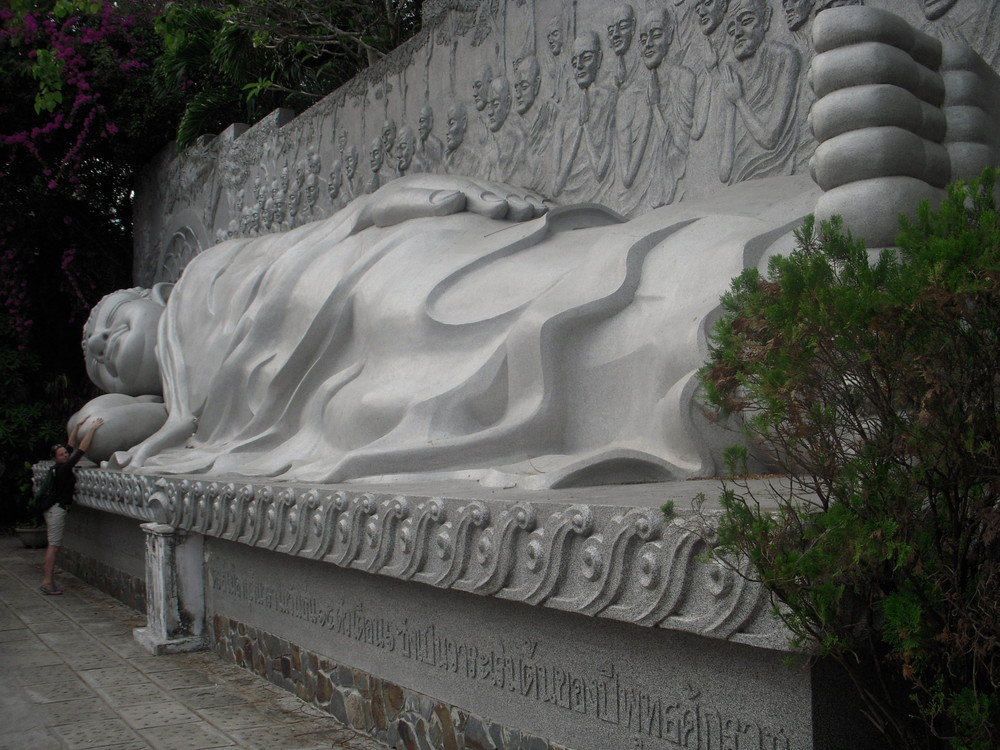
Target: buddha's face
(375, 155)
(796, 12)
(934, 9)
(350, 162)
(119, 341)
(710, 14)
(654, 39)
(621, 29)
(746, 28)
(586, 60)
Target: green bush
(876, 383)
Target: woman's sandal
(50, 592)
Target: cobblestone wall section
(400, 717)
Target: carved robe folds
(459, 345)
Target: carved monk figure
(296, 216)
(334, 183)
(759, 131)
(406, 147)
(459, 158)
(974, 23)
(342, 139)
(710, 15)
(631, 96)
(583, 146)
(537, 118)
(430, 149)
(480, 87)
(388, 136)
(503, 146)
(796, 13)
(621, 31)
(420, 333)
(498, 103)
(554, 38)
(654, 157)
(280, 217)
(353, 182)
(311, 192)
(376, 162)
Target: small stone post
(175, 592)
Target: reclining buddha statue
(444, 327)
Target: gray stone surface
(595, 551)
(585, 683)
(732, 106)
(55, 699)
(441, 326)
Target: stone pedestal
(175, 592)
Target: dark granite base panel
(126, 588)
(397, 716)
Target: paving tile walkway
(74, 679)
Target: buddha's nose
(97, 345)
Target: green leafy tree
(90, 91)
(877, 382)
(76, 119)
(237, 61)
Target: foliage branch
(236, 61)
(876, 381)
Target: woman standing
(64, 481)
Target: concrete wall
(107, 551)
(479, 620)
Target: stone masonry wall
(400, 717)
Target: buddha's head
(119, 341)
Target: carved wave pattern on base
(621, 563)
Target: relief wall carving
(633, 105)
(621, 563)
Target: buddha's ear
(161, 292)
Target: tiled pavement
(73, 678)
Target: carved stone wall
(631, 105)
(488, 619)
(614, 561)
